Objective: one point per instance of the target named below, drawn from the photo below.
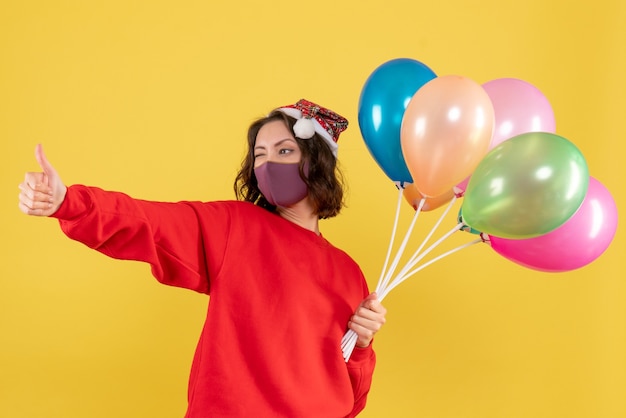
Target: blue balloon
(384, 98)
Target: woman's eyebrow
(283, 140)
(276, 144)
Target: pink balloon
(576, 243)
(519, 107)
(460, 188)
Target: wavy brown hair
(324, 181)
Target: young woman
(281, 296)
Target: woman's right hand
(41, 193)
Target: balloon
(413, 197)
(466, 228)
(576, 243)
(445, 132)
(382, 103)
(519, 107)
(527, 186)
(460, 188)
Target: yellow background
(153, 98)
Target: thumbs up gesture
(41, 193)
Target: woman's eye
(285, 151)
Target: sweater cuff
(361, 354)
(77, 201)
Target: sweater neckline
(307, 233)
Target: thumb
(43, 162)
(372, 296)
(370, 301)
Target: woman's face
(275, 142)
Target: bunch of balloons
(525, 189)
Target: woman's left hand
(367, 320)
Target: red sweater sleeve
(168, 236)
(361, 369)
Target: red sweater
(280, 300)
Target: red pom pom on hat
(312, 118)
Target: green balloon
(526, 186)
(466, 228)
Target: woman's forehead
(272, 133)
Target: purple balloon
(576, 243)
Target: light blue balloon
(384, 98)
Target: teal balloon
(526, 186)
(465, 227)
(383, 100)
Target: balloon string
(401, 276)
(447, 253)
(430, 234)
(347, 336)
(429, 249)
(349, 346)
(413, 260)
(393, 237)
(402, 247)
(349, 339)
